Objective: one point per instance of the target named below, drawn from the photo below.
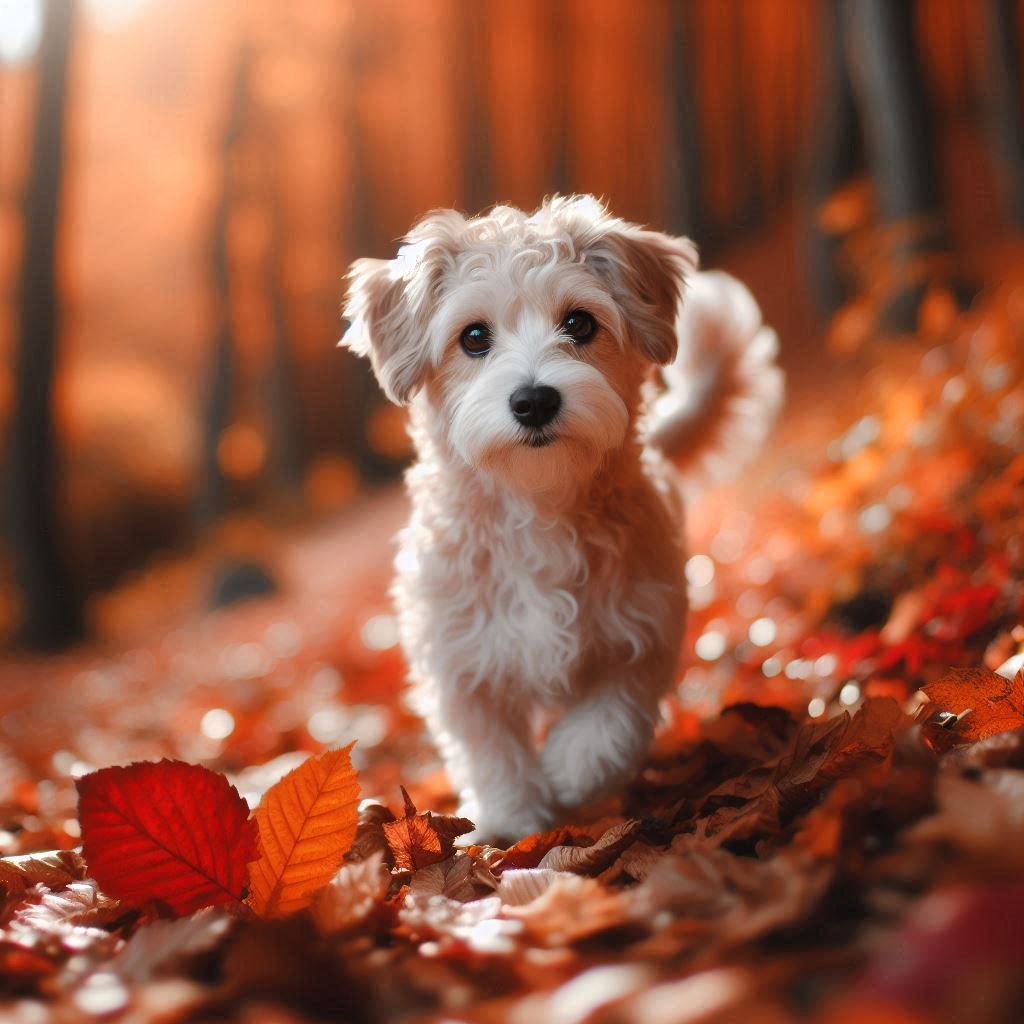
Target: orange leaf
(421, 839)
(307, 823)
(996, 704)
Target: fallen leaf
(746, 897)
(307, 823)
(637, 861)
(586, 860)
(593, 995)
(168, 832)
(54, 870)
(452, 878)
(21, 967)
(520, 886)
(531, 850)
(996, 704)
(570, 909)
(70, 920)
(370, 838)
(477, 925)
(417, 840)
(983, 819)
(352, 894)
(159, 945)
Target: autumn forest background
(198, 492)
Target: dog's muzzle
(535, 406)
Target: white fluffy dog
(540, 583)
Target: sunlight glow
(112, 14)
(21, 25)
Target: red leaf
(170, 832)
(996, 704)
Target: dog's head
(527, 337)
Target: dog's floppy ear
(390, 302)
(645, 271)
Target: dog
(540, 584)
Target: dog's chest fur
(492, 593)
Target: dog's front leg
(599, 743)
(489, 756)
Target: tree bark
(52, 611)
(212, 498)
(1006, 118)
(683, 203)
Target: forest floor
(814, 836)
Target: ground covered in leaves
(830, 827)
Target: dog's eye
(476, 339)
(579, 325)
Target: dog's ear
(390, 302)
(645, 271)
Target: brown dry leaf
(868, 740)
(594, 995)
(571, 908)
(758, 817)
(70, 920)
(595, 858)
(452, 878)
(813, 744)
(352, 894)
(370, 838)
(983, 819)
(718, 996)
(22, 967)
(745, 897)
(478, 925)
(1003, 750)
(421, 839)
(55, 870)
(520, 886)
(161, 945)
(531, 850)
(280, 969)
(307, 822)
(996, 704)
(637, 861)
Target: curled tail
(724, 389)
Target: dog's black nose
(535, 406)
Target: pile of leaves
(828, 828)
(873, 859)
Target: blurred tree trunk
(902, 154)
(213, 489)
(285, 441)
(835, 157)
(683, 203)
(895, 110)
(472, 72)
(366, 41)
(52, 616)
(1006, 116)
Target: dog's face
(527, 338)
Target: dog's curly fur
(540, 583)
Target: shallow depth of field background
(222, 163)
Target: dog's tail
(724, 390)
